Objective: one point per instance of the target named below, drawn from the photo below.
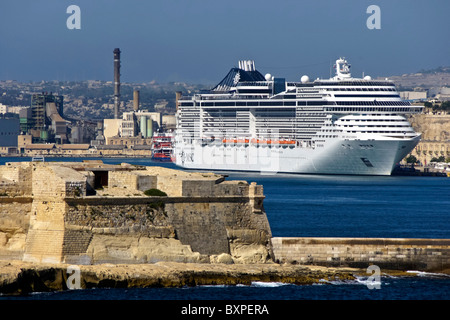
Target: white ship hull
(346, 157)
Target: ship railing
(254, 83)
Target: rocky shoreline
(20, 278)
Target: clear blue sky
(198, 41)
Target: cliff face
(91, 213)
(432, 127)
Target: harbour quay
(430, 255)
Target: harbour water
(320, 206)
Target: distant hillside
(94, 99)
(426, 79)
(436, 70)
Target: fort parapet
(90, 213)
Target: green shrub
(155, 192)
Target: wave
(254, 284)
(429, 274)
(268, 284)
(364, 281)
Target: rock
(222, 258)
(3, 239)
(18, 277)
(249, 246)
(131, 249)
(252, 253)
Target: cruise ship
(255, 122)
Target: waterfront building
(9, 131)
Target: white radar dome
(268, 77)
(304, 79)
(367, 78)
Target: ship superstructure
(251, 122)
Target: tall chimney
(136, 100)
(116, 82)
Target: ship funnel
(247, 65)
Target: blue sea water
(320, 206)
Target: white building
(133, 124)
(413, 95)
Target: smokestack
(116, 82)
(136, 100)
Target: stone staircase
(44, 245)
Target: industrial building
(134, 128)
(43, 120)
(43, 130)
(130, 130)
(9, 130)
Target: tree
(411, 159)
(440, 159)
(428, 105)
(155, 192)
(445, 106)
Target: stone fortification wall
(15, 180)
(403, 254)
(90, 213)
(15, 209)
(210, 226)
(57, 182)
(14, 224)
(46, 231)
(435, 139)
(95, 213)
(134, 180)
